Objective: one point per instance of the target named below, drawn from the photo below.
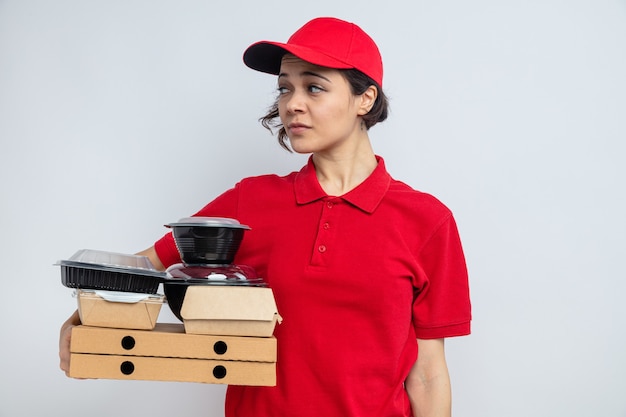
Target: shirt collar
(366, 196)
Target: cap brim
(266, 56)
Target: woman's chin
(300, 147)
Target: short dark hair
(359, 83)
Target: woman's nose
(296, 103)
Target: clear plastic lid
(208, 222)
(121, 296)
(216, 274)
(104, 258)
(112, 261)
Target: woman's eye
(282, 90)
(315, 89)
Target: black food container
(100, 270)
(207, 240)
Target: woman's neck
(339, 173)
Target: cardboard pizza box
(170, 340)
(172, 369)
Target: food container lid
(112, 262)
(122, 297)
(209, 222)
(213, 275)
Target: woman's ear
(367, 100)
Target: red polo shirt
(356, 278)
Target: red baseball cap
(324, 41)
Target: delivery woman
(368, 273)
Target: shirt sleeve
(442, 306)
(223, 206)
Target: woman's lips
(297, 128)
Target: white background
(117, 117)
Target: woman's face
(317, 108)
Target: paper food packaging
(172, 369)
(170, 340)
(167, 353)
(230, 310)
(118, 309)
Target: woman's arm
(428, 383)
(152, 255)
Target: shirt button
(322, 248)
(329, 205)
(326, 226)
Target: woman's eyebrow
(306, 73)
